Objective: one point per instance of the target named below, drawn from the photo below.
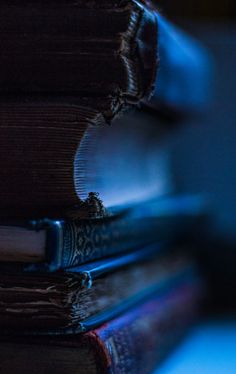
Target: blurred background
(203, 157)
(203, 147)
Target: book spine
(73, 243)
(138, 341)
(92, 240)
(77, 242)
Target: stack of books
(92, 280)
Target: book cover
(135, 342)
(48, 245)
(84, 297)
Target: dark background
(199, 9)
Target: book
(53, 160)
(65, 73)
(48, 245)
(82, 298)
(73, 50)
(134, 343)
(104, 50)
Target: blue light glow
(211, 349)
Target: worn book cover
(135, 342)
(83, 297)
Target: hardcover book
(101, 54)
(84, 297)
(134, 343)
(48, 245)
(104, 50)
(65, 71)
